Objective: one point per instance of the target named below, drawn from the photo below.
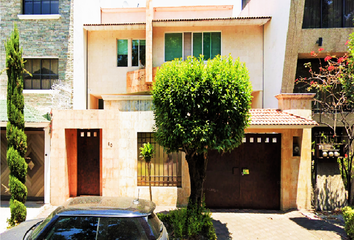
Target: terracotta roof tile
(277, 117)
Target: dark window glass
(206, 45)
(40, 6)
(165, 168)
(103, 228)
(328, 13)
(122, 45)
(197, 44)
(138, 52)
(244, 3)
(173, 46)
(44, 72)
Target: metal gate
(88, 162)
(248, 177)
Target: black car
(94, 218)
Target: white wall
(275, 36)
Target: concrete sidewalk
(237, 224)
(269, 225)
(35, 209)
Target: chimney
(296, 103)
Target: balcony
(136, 81)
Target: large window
(138, 53)
(328, 13)
(43, 73)
(40, 6)
(178, 45)
(165, 168)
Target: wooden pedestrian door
(248, 177)
(88, 162)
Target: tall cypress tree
(15, 130)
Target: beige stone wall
(118, 156)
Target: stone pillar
(148, 39)
(296, 103)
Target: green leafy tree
(146, 153)
(333, 82)
(201, 106)
(16, 137)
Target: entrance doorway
(88, 162)
(247, 177)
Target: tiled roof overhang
(32, 117)
(266, 118)
(232, 21)
(114, 26)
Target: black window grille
(165, 168)
(328, 14)
(43, 73)
(40, 6)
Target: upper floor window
(178, 45)
(244, 3)
(137, 49)
(328, 13)
(44, 72)
(165, 168)
(40, 6)
(122, 45)
(138, 53)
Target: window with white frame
(181, 45)
(136, 48)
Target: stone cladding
(40, 38)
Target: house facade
(114, 51)
(94, 147)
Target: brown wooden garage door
(248, 177)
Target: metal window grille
(43, 73)
(165, 168)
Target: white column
(46, 165)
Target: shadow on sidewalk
(222, 232)
(319, 225)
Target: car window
(98, 228)
(155, 224)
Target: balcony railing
(136, 81)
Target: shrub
(194, 223)
(18, 212)
(348, 214)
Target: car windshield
(99, 228)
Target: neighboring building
(117, 52)
(46, 37)
(306, 27)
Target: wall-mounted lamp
(319, 41)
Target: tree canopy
(201, 106)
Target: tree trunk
(149, 175)
(197, 171)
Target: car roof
(106, 206)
